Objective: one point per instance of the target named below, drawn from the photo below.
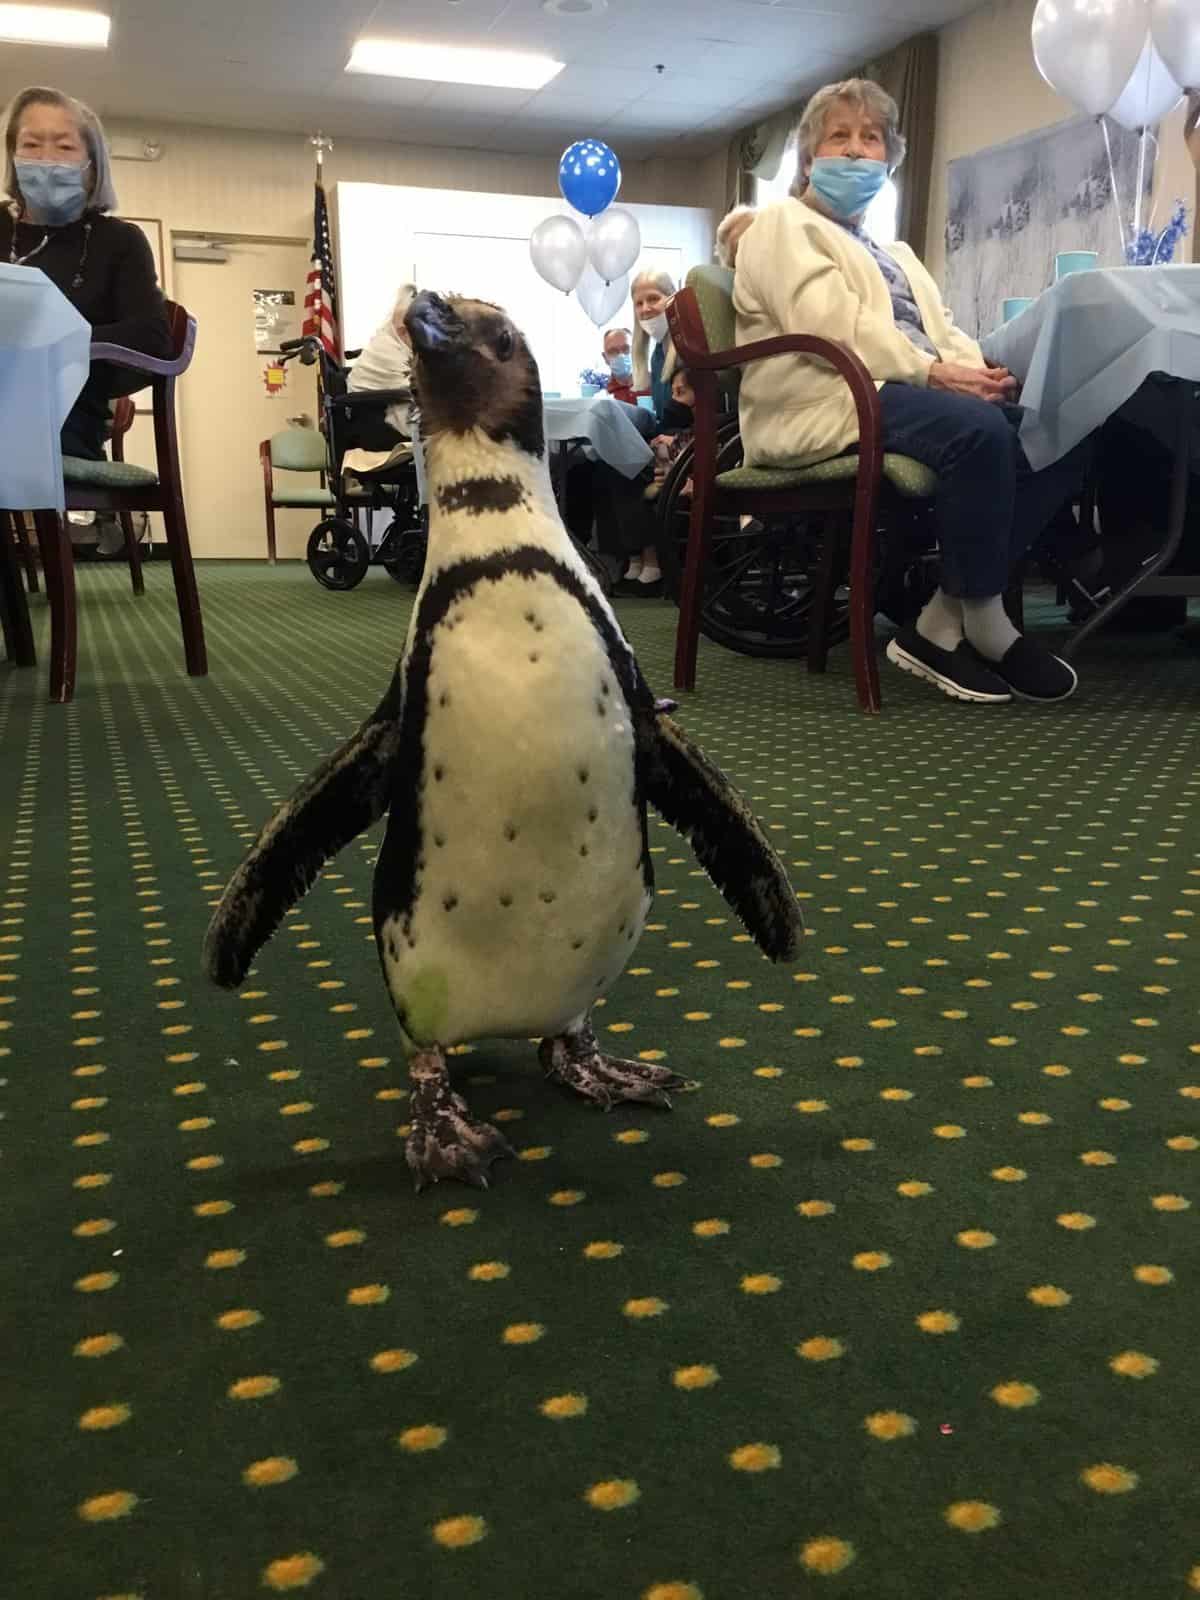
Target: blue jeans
(990, 504)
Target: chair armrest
(264, 456)
(121, 356)
(374, 397)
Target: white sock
(634, 569)
(941, 622)
(988, 627)
(650, 574)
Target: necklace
(20, 261)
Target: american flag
(320, 295)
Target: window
(880, 221)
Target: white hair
(861, 92)
(664, 282)
(102, 196)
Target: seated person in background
(59, 183)
(807, 266)
(386, 363)
(678, 419)
(729, 234)
(618, 359)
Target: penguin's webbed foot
(575, 1059)
(445, 1140)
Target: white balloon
(601, 300)
(1175, 29)
(1150, 93)
(614, 242)
(558, 251)
(1087, 49)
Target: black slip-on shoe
(1033, 672)
(959, 673)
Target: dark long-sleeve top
(119, 294)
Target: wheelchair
(762, 592)
(339, 552)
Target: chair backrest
(183, 328)
(712, 287)
(122, 416)
(299, 450)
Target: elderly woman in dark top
(59, 185)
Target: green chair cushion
(107, 474)
(299, 450)
(908, 477)
(302, 497)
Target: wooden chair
(14, 608)
(118, 486)
(851, 489)
(123, 415)
(293, 450)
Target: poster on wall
(1013, 207)
(275, 319)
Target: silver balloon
(1175, 29)
(558, 251)
(601, 300)
(1087, 49)
(1150, 93)
(614, 242)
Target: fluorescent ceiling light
(443, 63)
(84, 30)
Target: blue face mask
(845, 185)
(621, 366)
(56, 192)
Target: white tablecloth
(44, 358)
(606, 424)
(1084, 347)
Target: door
(225, 407)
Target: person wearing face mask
(58, 183)
(619, 361)
(808, 266)
(624, 518)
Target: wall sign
(275, 319)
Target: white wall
(990, 90)
(477, 245)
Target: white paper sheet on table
(1084, 347)
(606, 425)
(44, 359)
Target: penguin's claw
(445, 1141)
(608, 1080)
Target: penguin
(515, 754)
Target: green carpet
(901, 1303)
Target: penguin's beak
(433, 326)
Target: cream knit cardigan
(798, 272)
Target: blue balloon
(589, 176)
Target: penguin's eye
(505, 344)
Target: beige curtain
(757, 152)
(909, 73)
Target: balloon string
(1112, 178)
(1141, 182)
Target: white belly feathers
(531, 898)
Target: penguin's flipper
(345, 795)
(691, 793)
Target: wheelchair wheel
(762, 579)
(404, 553)
(338, 555)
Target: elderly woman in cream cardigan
(807, 266)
